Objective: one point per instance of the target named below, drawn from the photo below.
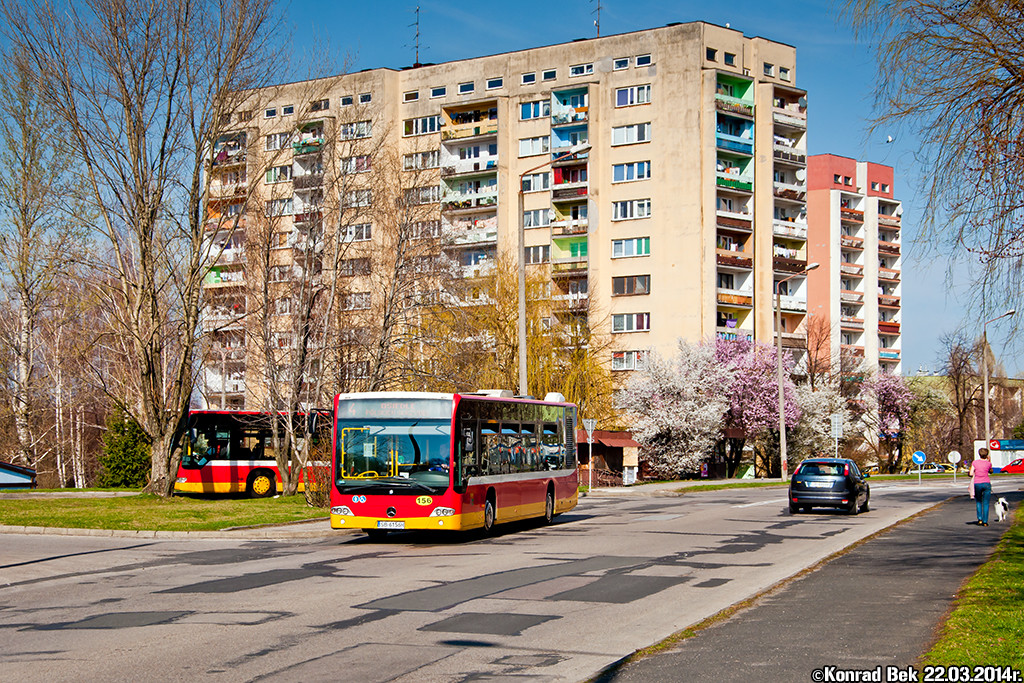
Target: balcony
(792, 116)
(307, 146)
(566, 226)
(789, 155)
(851, 215)
(308, 181)
(734, 221)
(733, 105)
(456, 201)
(793, 304)
(855, 351)
(733, 259)
(569, 268)
(734, 181)
(217, 279)
(790, 191)
(794, 340)
(733, 143)
(789, 229)
(570, 302)
(889, 354)
(566, 116)
(848, 322)
(888, 274)
(469, 130)
(473, 236)
(851, 297)
(226, 158)
(735, 298)
(851, 242)
(734, 333)
(889, 221)
(851, 269)
(889, 248)
(888, 301)
(576, 191)
(781, 264)
(307, 217)
(888, 327)
(228, 191)
(470, 167)
(229, 257)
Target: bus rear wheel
(261, 485)
(549, 507)
(489, 515)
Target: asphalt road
(534, 603)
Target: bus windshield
(411, 454)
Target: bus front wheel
(489, 515)
(261, 485)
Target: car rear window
(820, 468)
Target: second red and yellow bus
(406, 460)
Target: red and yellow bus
(405, 460)
(233, 451)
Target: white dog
(1002, 509)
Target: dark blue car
(829, 482)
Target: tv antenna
(417, 25)
(597, 22)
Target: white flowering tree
(677, 407)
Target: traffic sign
(837, 426)
(919, 457)
(588, 424)
(954, 457)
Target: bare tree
(960, 367)
(143, 90)
(950, 74)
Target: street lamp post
(521, 318)
(778, 353)
(984, 367)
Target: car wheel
(793, 509)
(852, 510)
(865, 507)
(489, 515)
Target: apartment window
(466, 88)
(784, 73)
(538, 254)
(643, 60)
(637, 170)
(280, 207)
(360, 232)
(279, 174)
(885, 187)
(270, 113)
(425, 230)
(847, 339)
(836, 178)
(439, 91)
(631, 322)
(769, 69)
(276, 141)
(428, 194)
(495, 83)
(637, 94)
(534, 110)
(631, 285)
(288, 110)
(631, 209)
(847, 180)
(474, 151)
(538, 218)
(356, 198)
(729, 59)
(711, 54)
(536, 182)
(357, 164)
(347, 100)
(244, 116)
(355, 301)
(365, 98)
(874, 185)
(637, 246)
(356, 130)
(728, 281)
(529, 79)
(350, 267)
(411, 96)
(320, 105)
(532, 146)
(627, 135)
(423, 125)
(629, 360)
(620, 64)
(418, 160)
(581, 70)
(549, 75)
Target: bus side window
(490, 448)
(552, 447)
(468, 452)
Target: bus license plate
(387, 524)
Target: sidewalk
(664, 488)
(878, 604)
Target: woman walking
(981, 468)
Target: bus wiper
(404, 480)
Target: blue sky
(837, 71)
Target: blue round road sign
(919, 457)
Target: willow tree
(143, 89)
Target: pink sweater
(981, 469)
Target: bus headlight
(341, 510)
(442, 512)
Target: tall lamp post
(984, 367)
(521, 319)
(778, 353)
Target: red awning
(618, 441)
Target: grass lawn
(149, 512)
(987, 623)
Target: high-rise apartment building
(854, 234)
(687, 207)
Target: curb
(275, 533)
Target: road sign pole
(918, 458)
(589, 424)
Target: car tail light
(846, 470)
